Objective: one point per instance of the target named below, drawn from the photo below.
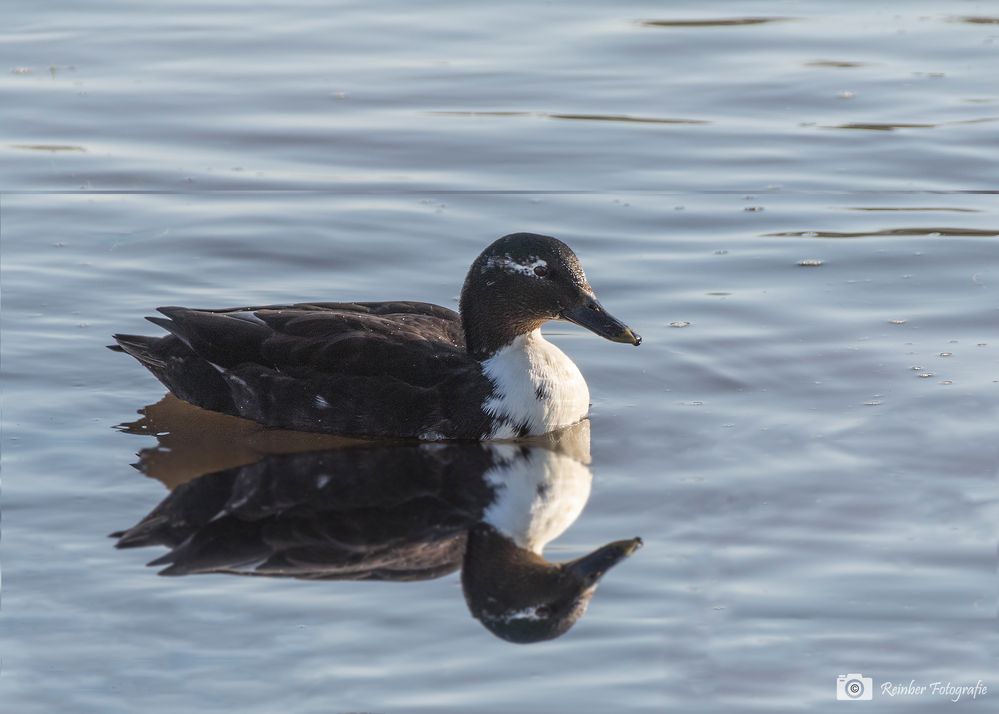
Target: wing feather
(387, 368)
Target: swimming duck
(396, 369)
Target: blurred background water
(794, 204)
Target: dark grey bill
(591, 315)
(592, 567)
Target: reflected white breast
(537, 497)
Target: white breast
(534, 384)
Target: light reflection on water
(811, 504)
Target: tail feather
(141, 535)
(172, 361)
(141, 347)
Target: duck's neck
(492, 316)
(491, 328)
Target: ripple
(875, 126)
(834, 63)
(976, 20)
(47, 147)
(973, 232)
(715, 22)
(625, 118)
(575, 117)
(892, 126)
(934, 209)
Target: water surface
(793, 204)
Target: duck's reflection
(376, 511)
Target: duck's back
(367, 368)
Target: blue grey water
(794, 203)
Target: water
(809, 186)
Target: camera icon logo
(854, 688)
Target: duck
(397, 369)
(397, 512)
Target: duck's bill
(591, 315)
(592, 567)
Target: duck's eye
(541, 271)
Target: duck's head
(523, 280)
(521, 597)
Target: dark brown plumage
(375, 369)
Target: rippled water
(794, 204)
